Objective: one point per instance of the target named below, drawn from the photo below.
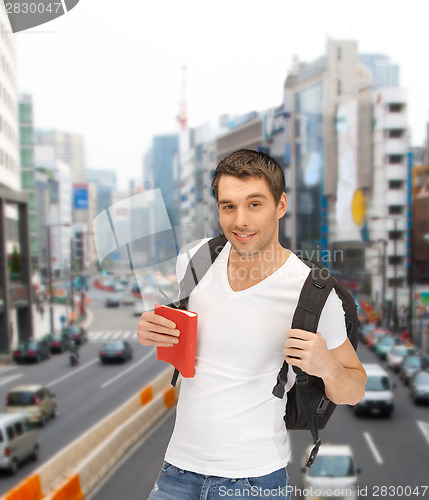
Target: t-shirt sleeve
(332, 324)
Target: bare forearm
(345, 385)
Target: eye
(227, 207)
(255, 204)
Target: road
(393, 453)
(86, 393)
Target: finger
(293, 353)
(154, 339)
(157, 319)
(162, 327)
(290, 358)
(149, 343)
(294, 343)
(299, 334)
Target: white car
(397, 354)
(332, 475)
(378, 399)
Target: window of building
(395, 184)
(26, 135)
(395, 108)
(25, 113)
(399, 282)
(27, 180)
(396, 260)
(395, 235)
(27, 157)
(339, 53)
(395, 133)
(32, 201)
(338, 87)
(396, 209)
(395, 159)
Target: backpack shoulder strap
(312, 298)
(198, 265)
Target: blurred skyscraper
(384, 73)
(105, 182)
(67, 147)
(161, 169)
(16, 321)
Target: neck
(270, 257)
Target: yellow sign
(359, 207)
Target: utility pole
(71, 276)
(51, 298)
(51, 295)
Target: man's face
(248, 213)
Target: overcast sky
(112, 70)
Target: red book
(181, 355)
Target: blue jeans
(178, 484)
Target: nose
(242, 218)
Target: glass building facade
(310, 203)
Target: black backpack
(307, 406)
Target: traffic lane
(50, 371)
(134, 476)
(82, 403)
(119, 318)
(390, 452)
(396, 468)
(398, 437)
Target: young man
(229, 438)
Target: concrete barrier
(28, 489)
(94, 467)
(76, 469)
(69, 489)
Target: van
(36, 401)
(378, 399)
(333, 474)
(18, 441)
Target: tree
(15, 262)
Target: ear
(282, 206)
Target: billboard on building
(80, 198)
(350, 205)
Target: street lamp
(395, 290)
(51, 297)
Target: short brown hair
(249, 163)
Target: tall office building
(9, 132)
(59, 208)
(28, 171)
(68, 148)
(16, 321)
(163, 152)
(349, 171)
(105, 182)
(383, 72)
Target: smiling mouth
(243, 236)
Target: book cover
(181, 355)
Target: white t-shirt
(228, 423)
